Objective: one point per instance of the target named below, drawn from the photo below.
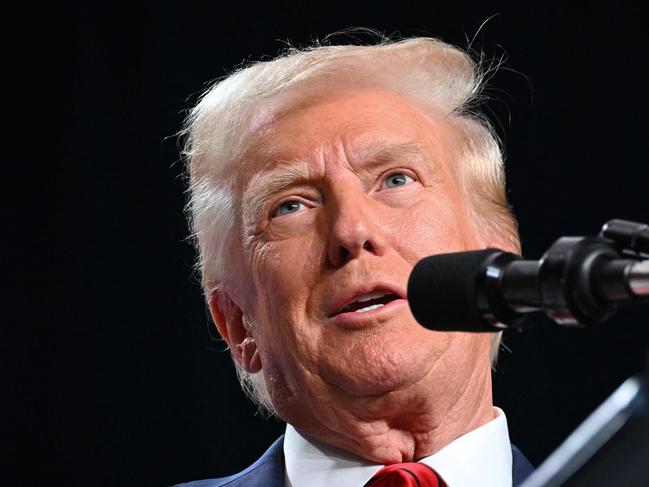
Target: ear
(229, 321)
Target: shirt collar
(481, 457)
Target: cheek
(434, 225)
(284, 273)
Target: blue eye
(287, 207)
(397, 179)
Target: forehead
(354, 124)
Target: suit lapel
(268, 471)
(521, 467)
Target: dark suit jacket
(268, 471)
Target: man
(317, 181)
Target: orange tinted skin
(351, 192)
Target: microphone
(579, 281)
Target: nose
(355, 229)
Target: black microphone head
(444, 290)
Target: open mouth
(368, 302)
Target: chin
(376, 371)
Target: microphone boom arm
(579, 281)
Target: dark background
(114, 379)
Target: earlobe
(229, 321)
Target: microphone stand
(582, 280)
(579, 281)
(611, 447)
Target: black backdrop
(115, 377)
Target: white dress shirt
(482, 457)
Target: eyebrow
(295, 172)
(390, 151)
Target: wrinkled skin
(367, 188)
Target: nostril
(344, 254)
(367, 245)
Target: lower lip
(352, 319)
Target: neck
(407, 425)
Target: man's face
(346, 194)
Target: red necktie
(406, 475)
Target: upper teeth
(370, 296)
(364, 298)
